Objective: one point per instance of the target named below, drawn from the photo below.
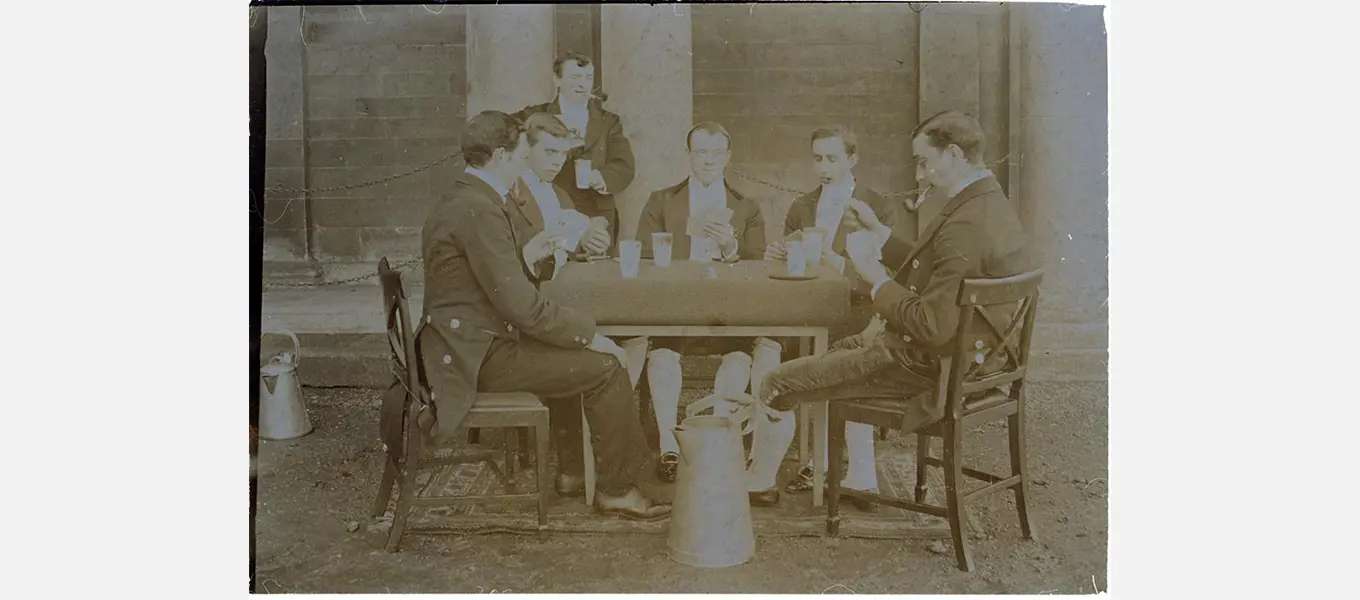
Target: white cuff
(524, 256)
(873, 293)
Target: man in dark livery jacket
(604, 144)
(486, 327)
(976, 235)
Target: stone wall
(358, 93)
(771, 75)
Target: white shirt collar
(490, 180)
(975, 177)
(718, 186)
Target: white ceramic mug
(796, 259)
(661, 248)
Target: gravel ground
(316, 489)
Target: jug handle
(297, 347)
(740, 416)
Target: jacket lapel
(975, 189)
(528, 205)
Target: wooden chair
(587, 453)
(508, 410)
(969, 400)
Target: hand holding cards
(569, 226)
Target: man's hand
(860, 217)
(541, 246)
(776, 251)
(723, 234)
(597, 182)
(604, 345)
(869, 269)
(596, 240)
(836, 261)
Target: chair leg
(474, 435)
(1016, 428)
(587, 458)
(511, 463)
(835, 451)
(404, 496)
(389, 478)
(953, 481)
(540, 435)
(922, 453)
(526, 446)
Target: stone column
(510, 54)
(1064, 185)
(648, 71)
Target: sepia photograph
(772, 297)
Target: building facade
(358, 95)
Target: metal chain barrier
(458, 154)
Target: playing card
(862, 245)
(570, 226)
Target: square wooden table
(707, 299)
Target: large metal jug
(711, 515)
(283, 411)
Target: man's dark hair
(711, 128)
(839, 131)
(580, 59)
(486, 132)
(546, 123)
(957, 128)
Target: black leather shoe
(766, 498)
(802, 482)
(570, 486)
(665, 468)
(865, 505)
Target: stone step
(368, 366)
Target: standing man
(670, 210)
(835, 152)
(604, 144)
(537, 198)
(488, 329)
(976, 234)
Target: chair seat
(507, 401)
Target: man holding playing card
(707, 221)
(602, 165)
(542, 205)
(977, 234)
(835, 152)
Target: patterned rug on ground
(794, 516)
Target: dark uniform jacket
(607, 149)
(667, 211)
(976, 235)
(477, 289)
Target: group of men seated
(487, 327)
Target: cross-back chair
(505, 410)
(972, 396)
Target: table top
(703, 293)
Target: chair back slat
(1001, 290)
(996, 324)
(400, 337)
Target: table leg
(819, 431)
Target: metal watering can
(711, 515)
(283, 411)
